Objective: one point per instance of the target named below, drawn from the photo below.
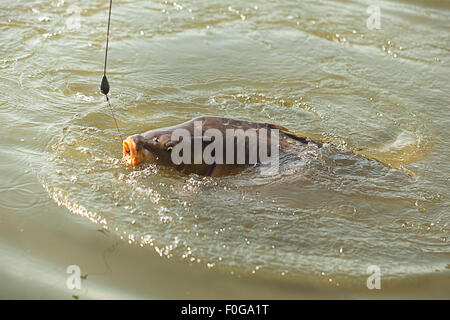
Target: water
(311, 66)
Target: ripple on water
(25, 196)
(288, 223)
(317, 73)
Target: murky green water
(311, 66)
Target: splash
(406, 148)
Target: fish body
(213, 146)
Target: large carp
(213, 146)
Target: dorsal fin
(292, 135)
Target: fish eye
(168, 146)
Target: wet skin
(155, 146)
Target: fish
(213, 145)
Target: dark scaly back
(294, 136)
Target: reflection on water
(312, 67)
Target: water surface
(311, 66)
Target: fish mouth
(130, 153)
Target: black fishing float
(104, 86)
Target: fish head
(150, 148)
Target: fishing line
(104, 87)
